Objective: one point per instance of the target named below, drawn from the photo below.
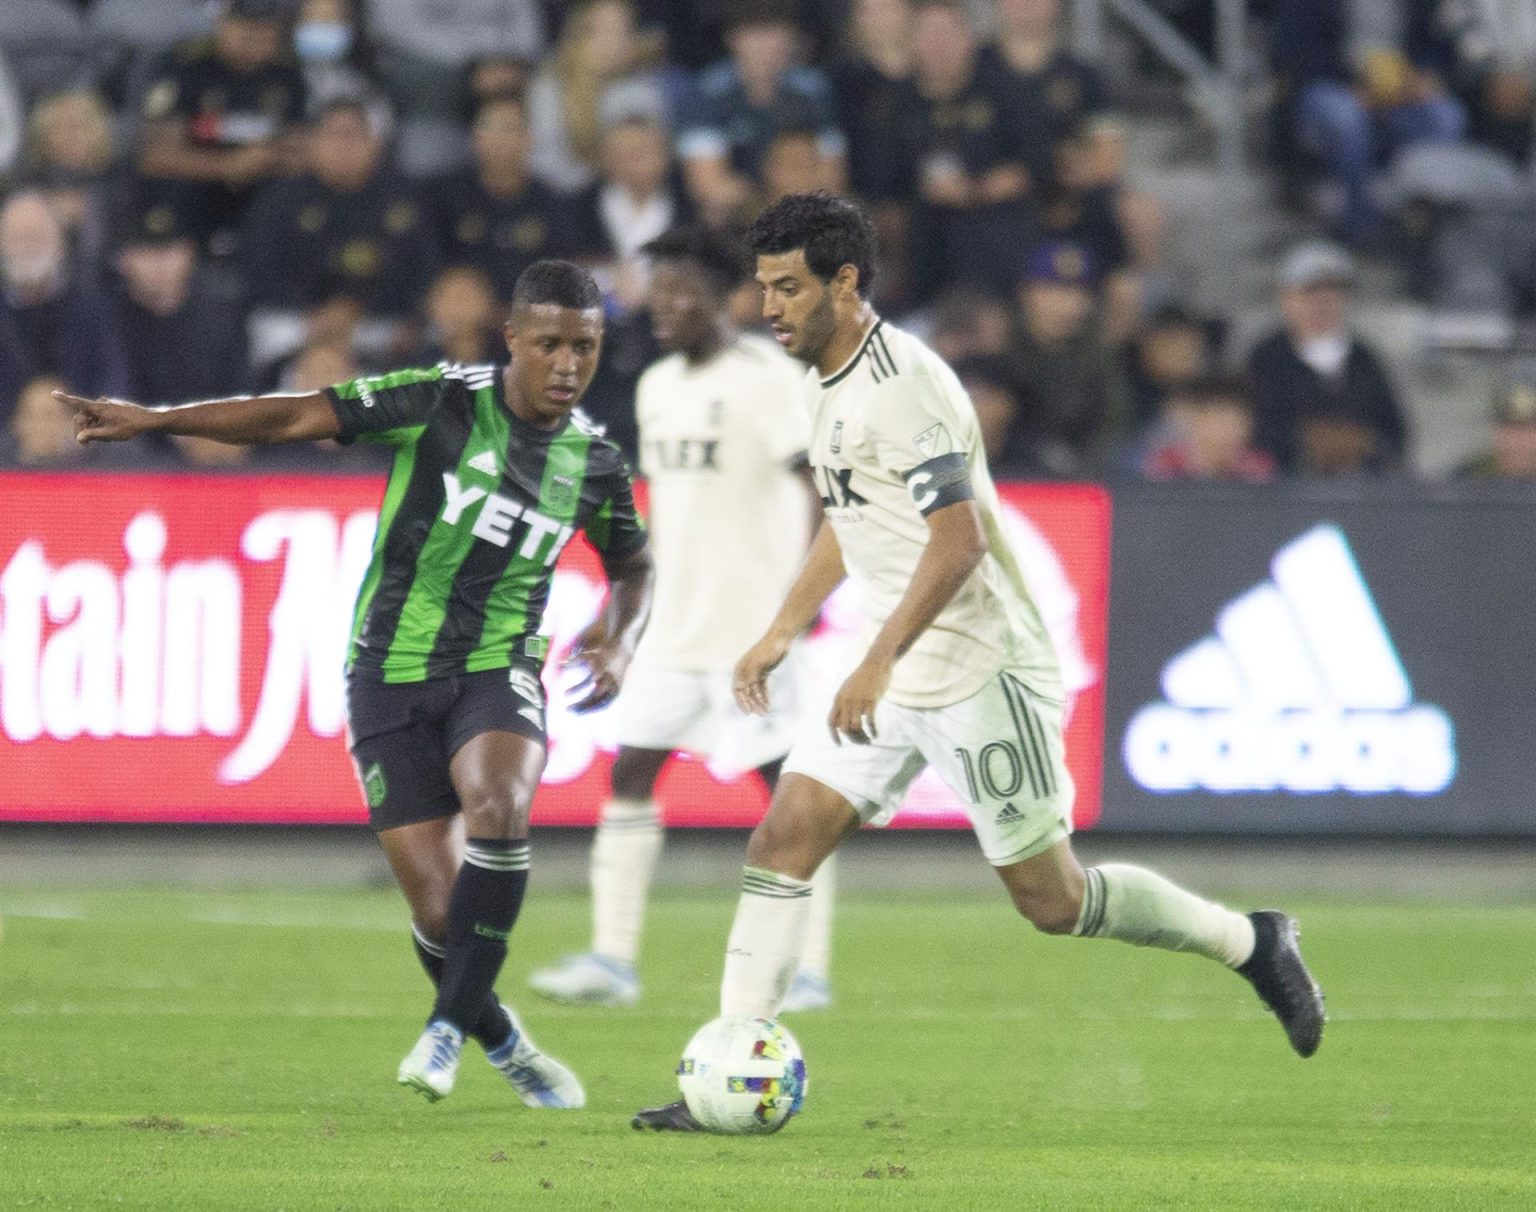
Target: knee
(493, 810)
(634, 775)
(776, 848)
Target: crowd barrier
(1277, 660)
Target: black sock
(486, 897)
(492, 1026)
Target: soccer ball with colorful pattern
(742, 1075)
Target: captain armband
(939, 482)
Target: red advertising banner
(171, 649)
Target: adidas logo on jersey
(1299, 690)
(485, 463)
(1008, 815)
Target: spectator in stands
(1496, 45)
(1051, 94)
(1173, 348)
(793, 164)
(636, 198)
(735, 108)
(347, 236)
(1074, 410)
(986, 381)
(1206, 433)
(1512, 449)
(55, 318)
(183, 331)
(464, 321)
(869, 78)
(40, 432)
(426, 51)
(604, 70)
(72, 158)
(222, 118)
(1351, 110)
(1324, 404)
(12, 120)
(334, 58)
(497, 214)
(963, 160)
(968, 324)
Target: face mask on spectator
(322, 41)
(29, 269)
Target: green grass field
(180, 1049)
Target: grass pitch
(174, 1049)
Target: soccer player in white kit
(958, 671)
(723, 448)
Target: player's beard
(816, 330)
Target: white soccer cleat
(433, 1063)
(540, 1081)
(807, 992)
(588, 978)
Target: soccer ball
(742, 1075)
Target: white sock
(1139, 906)
(816, 958)
(764, 948)
(624, 853)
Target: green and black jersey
(478, 507)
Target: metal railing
(1215, 88)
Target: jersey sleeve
(915, 432)
(388, 409)
(616, 529)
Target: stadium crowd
(204, 199)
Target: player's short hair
(563, 283)
(831, 231)
(718, 253)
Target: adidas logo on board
(1299, 690)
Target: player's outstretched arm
(821, 573)
(243, 421)
(956, 544)
(607, 645)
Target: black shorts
(404, 734)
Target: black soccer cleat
(1277, 971)
(674, 1117)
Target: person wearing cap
(220, 119)
(1324, 402)
(1074, 405)
(183, 336)
(733, 110)
(1511, 454)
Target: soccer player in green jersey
(494, 471)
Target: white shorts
(1000, 751)
(674, 709)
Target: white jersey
(730, 520)
(893, 437)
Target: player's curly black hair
(563, 283)
(832, 232)
(718, 253)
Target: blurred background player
(445, 709)
(723, 437)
